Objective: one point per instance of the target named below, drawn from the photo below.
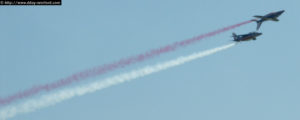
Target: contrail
(99, 70)
(65, 94)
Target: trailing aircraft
(245, 37)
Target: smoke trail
(110, 67)
(54, 98)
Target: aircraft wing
(275, 19)
(258, 16)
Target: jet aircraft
(271, 16)
(246, 37)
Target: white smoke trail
(65, 94)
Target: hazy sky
(253, 80)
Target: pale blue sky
(254, 80)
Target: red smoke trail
(109, 67)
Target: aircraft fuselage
(246, 37)
(272, 16)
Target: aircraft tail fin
(234, 36)
(258, 24)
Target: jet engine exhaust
(43, 101)
(99, 70)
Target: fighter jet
(246, 37)
(271, 16)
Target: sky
(253, 80)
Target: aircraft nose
(282, 11)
